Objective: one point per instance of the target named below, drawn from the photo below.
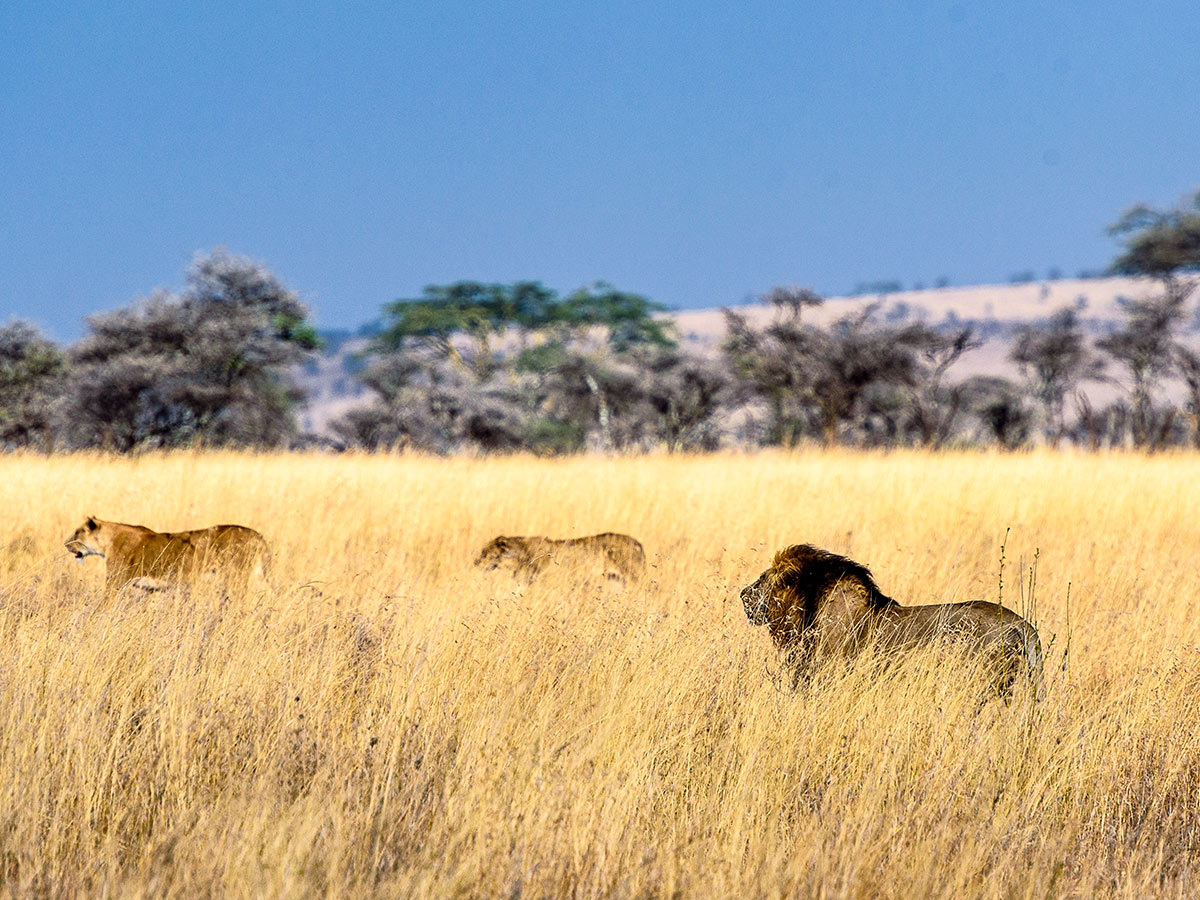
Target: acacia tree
(581, 392)
(936, 404)
(210, 364)
(472, 310)
(500, 366)
(854, 356)
(31, 374)
(771, 364)
(1000, 408)
(1054, 359)
(816, 379)
(790, 301)
(585, 373)
(684, 394)
(1188, 363)
(1144, 346)
(425, 403)
(1163, 245)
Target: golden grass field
(385, 722)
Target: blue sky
(697, 153)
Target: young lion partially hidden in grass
(816, 602)
(151, 560)
(617, 557)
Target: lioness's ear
(92, 524)
(501, 543)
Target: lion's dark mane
(810, 573)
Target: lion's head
(790, 596)
(757, 596)
(86, 539)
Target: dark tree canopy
(1159, 243)
(31, 372)
(210, 364)
(792, 300)
(816, 380)
(628, 318)
(1055, 358)
(547, 371)
(480, 311)
(1144, 347)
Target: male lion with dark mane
(610, 555)
(151, 560)
(816, 602)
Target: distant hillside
(995, 310)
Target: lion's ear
(92, 523)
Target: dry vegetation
(386, 722)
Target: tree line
(503, 367)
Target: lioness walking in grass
(151, 560)
(617, 557)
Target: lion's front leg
(799, 659)
(146, 583)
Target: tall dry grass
(386, 722)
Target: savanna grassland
(383, 721)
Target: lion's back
(978, 618)
(1009, 640)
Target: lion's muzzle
(754, 600)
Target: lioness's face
(84, 541)
(495, 553)
(756, 598)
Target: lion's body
(815, 602)
(610, 555)
(135, 555)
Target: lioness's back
(622, 549)
(623, 553)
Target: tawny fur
(815, 603)
(136, 556)
(611, 555)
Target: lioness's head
(498, 552)
(85, 540)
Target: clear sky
(698, 152)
